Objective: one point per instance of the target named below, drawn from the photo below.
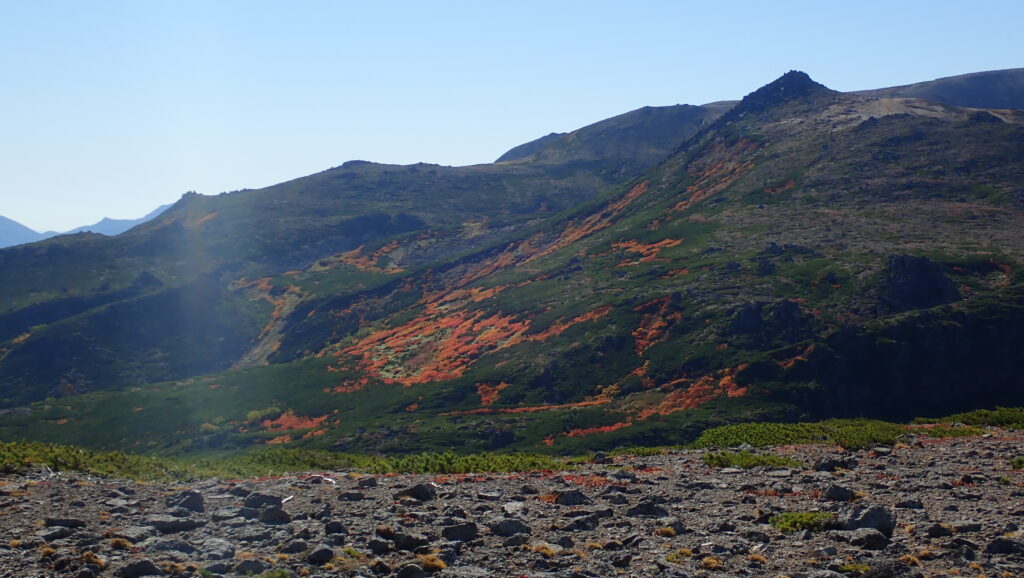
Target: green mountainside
(802, 254)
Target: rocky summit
(928, 507)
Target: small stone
(64, 522)
(422, 492)
(258, 500)
(938, 530)
(294, 547)
(274, 515)
(1005, 545)
(189, 499)
(572, 498)
(868, 539)
(838, 493)
(966, 526)
(334, 527)
(410, 541)
(217, 549)
(251, 566)
(320, 555)
(870, 516)
(410, 571)
(168, 524)
(170, 545)
(510, 527)
(461, 532)
(648, 508)
(831, 464)
(351, 496)
(135, 568)
(910, 504)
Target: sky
(112, 108)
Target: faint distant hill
(14, 233)
(990, 89)
(110, 227)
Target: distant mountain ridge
(998, 89)
(799, 254)
(14, 233)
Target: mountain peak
(794, 85)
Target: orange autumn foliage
(357, 259)
(647, 251)
(489, 393)
(442, 343)
(531, 408)
(723, 166)
(579, 432)
(691, 393)
(288, 420)
(655, 323)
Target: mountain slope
(990, 89)
(353, 228)
(110, 227)
(14, 233)
(809, 253)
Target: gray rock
(411, 571)
(294, 547)
(938, 530)
(144, 567)
(351, 497)
(54, 533)
(648, 508)
(966, 526)
(63, 522)
(409, 540)
(868, 539)
(831, 463)
(133, 533)
(1005, 545)
(251, 566)
(320, 555)
(258, 500)
(838, 493)
(216, 549)
(461, 532)
(572, 498)
(274, 515)
(169, 545)
(168, 524)
(189, 499)
(422, 492)
(582, 524)
(870, 516)
(334, 527)
(510, 527)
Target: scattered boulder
(422, 492)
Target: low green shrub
(748, 460)
(797, 521)
(848, 433)
(1009, 417)
(1017, 463)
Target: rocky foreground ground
(950, 507)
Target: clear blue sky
(110, 108)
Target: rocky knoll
(941, 507)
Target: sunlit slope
(203, 287)
(809, 254)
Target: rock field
(947, 507)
